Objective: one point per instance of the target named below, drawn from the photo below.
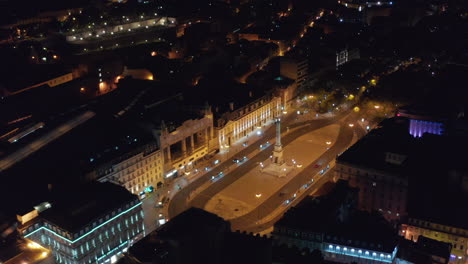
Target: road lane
(178, 203)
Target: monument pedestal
(278, 167)
(278, 170)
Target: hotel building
(95, 223)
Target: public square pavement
(251, 190)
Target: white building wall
(137, 172)
(239, 128)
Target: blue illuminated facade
(100, 241)
(418, 127)
(348, 254)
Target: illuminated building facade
(135, 171)
(418, 128)
(244, 120)
(183, 145)
(456, 236)
(343, 234)
(423, 120)
(346, 55)
(96, 225)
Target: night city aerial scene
(233, 131)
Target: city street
(248, 221)
(178, 203)
(256, 186)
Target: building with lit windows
(94, 223)
(17, 250)
(457, 236)
(136, 170)
(345, 55)
(295, 68)
(253, 116)
(424, 251)
(185, 139)
(376, 165)
(332, 224)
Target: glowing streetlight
(258, 195)
(351, 125)
(376, 106)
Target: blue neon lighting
(119, 246)
(92, 230)
(382, 257)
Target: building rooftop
(74, 207)
(421, 252)
(23, 75)
(354, 228)
(191, 222)
(219, 93)
(429, 111)
(370, 151)
(437, 173)
(198, 236)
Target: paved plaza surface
(198, 195)
(251, 190)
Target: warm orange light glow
(377, 106)
(55, 56)
(154, 53)
(118, 78)
(33, 245)
(258, 195)
(82, 89)
(102, 86)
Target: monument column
(278, 150)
